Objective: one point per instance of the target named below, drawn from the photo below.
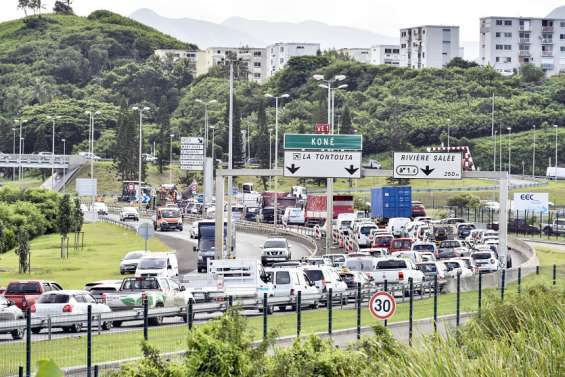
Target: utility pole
(171, 158)
(139, 161)
(534, 155)
(230, 166)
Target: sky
(383, 17)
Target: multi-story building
(279, 54)
(429, 46)
(362, 55)
(385, 54)
(196, 59)
(507, 43)
(254, 60)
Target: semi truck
(316, 208)
(206, 248)
(267, 211)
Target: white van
(325, 278)
(293, 216)
(364, 233)
(396, 226)
(158, 264)
(345, 221)
(287, 282)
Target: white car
(88, 155)
(396, 226)
(100, 208)
(10, 312)
(485, 261)
(275, 250)
(129, 213)
(288, 281)
(194, 230)
(455, 266)
(128, 264)
(67, 303)
(326, 278)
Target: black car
(521, 226)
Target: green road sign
(317, 142)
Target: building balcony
(547, 41)
(547, 29)
(547, 54)
(525, 40)
(525, 53)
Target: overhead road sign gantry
(427, 165)
(322, 164)
(323, 142)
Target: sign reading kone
(319, 142)
(427, 165)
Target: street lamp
(206, 104)
(91, 141)
(342, 86)
(171, 158)
(555, 170)
(275, 218)
(509, 149)
(20, 121)
(141, 110)
(494, 157)
(64, 168)
(448, 132)
(53, 150)
(330, 181)
(213, 128)
(14, 152)
(534, 154)
(270, 155)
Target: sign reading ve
(322, 128)
(323, 142)
(192, 153)
(322, 164)
(427, 165)
(382, 305)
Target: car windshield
(170, 214)
(338, 258)
(383, 241)
(423, 247)
(359, 264)
(449, 244)
(135, 255)
(269, 244)
(53, 299)
(481, 255)
(452, 265)
(366, 230)
(427, 267)
(152, 264)
(391, 264)
(314, 275)
(345, 223)
(138, 284)
(401, 244)
(27, 287)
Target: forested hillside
(64, 65)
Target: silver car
(10, 312)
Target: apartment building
(362, 55)
(196, 59)
(254, 60)
(279, 54)
(506, 43)
(428, 46)
(385, 54)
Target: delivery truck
(316, 208)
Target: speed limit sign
(382, 305)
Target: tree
(261, 141)
(24, 5)
(22, 251)
(531, 73)
(126, 153)
(164, 121)
(461, 63)
(346, 124)
(464, 200)
(61, 7)
(65, 219)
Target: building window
(561, 36)
(300, 47)
(507, 35)
(507, 22)
(562, 24)
(257, 64)
(387, 50)
(497, 34)
(257, 75)
(395, 51)
(282, 60)
(403, 45)
(500, 47)
(256, 53)
(562, 48)
(508, 47)
(508, 59)
(499, 22)
(282, 49)
(447, 30)
(446, 42)
(497, 59)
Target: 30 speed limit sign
(382, 305)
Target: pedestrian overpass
(40, 161)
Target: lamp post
(52, 118)
(14, 152)
(534, 154)
(494, 157)
(20, 121)
(205, 104)
(171, 136)
(64, 168)
(270, 154)
(141, 110)
(342, 86)
(330, 181)
(277, 98)
(492, 130)
(509, 149)
(523, 168)
(213, 128)
(556, 162)
(91, 115)
(448, 133)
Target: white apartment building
(385, 54)
(428, 46)
(279, 54)
(255, 60)
(506, 43)
(361, 55)
(196, 59)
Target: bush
(464, 201)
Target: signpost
(427, 165)
(323, 142)
(192, 153)
(382, 305)
(146, 231)
(322, 164)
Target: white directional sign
(192, 153)
(427, 165)
(319, 164)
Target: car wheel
(75, 328)
(36, 330)
(122, 273)
(106, 326)
(117, 323)
(315, 305)
(156, 321)
(282, 308)
(17, 334)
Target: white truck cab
(158, 264)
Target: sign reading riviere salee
(427, 165)
(322, 142)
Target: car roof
(32, 281)
(67, 292)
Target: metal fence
(84, 344)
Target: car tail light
(292, 291)
(24, 302)
(400, 275)
(68, 308)
(33, 309)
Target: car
(338, 260)
(452, 249)
(129, 262)
(99, 289)
(400, 244)
(24, 293)
(275, 249)
(288, 281)
(67, 303)
(194, 230)
(168, 218)
(464, 230)
(485, 261)
(425, 247)
(129, 213)
(89, 156)
(318, 261)
(432, 269)
(10, 312)
(418, 209)
(100, 208)
(396, 226)
(352, 279)
(326, 278)
(521, 226)
(455, 266)
(158, 264)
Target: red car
(418, 209)
(383, 241)
(24, 293)
(400, 244)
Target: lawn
(549, 256)
(104, 246)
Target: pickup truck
(397, 271)
(160, 292)
(24, 293)
(556, 227)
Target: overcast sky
(384, 17)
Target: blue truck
(391, 201)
